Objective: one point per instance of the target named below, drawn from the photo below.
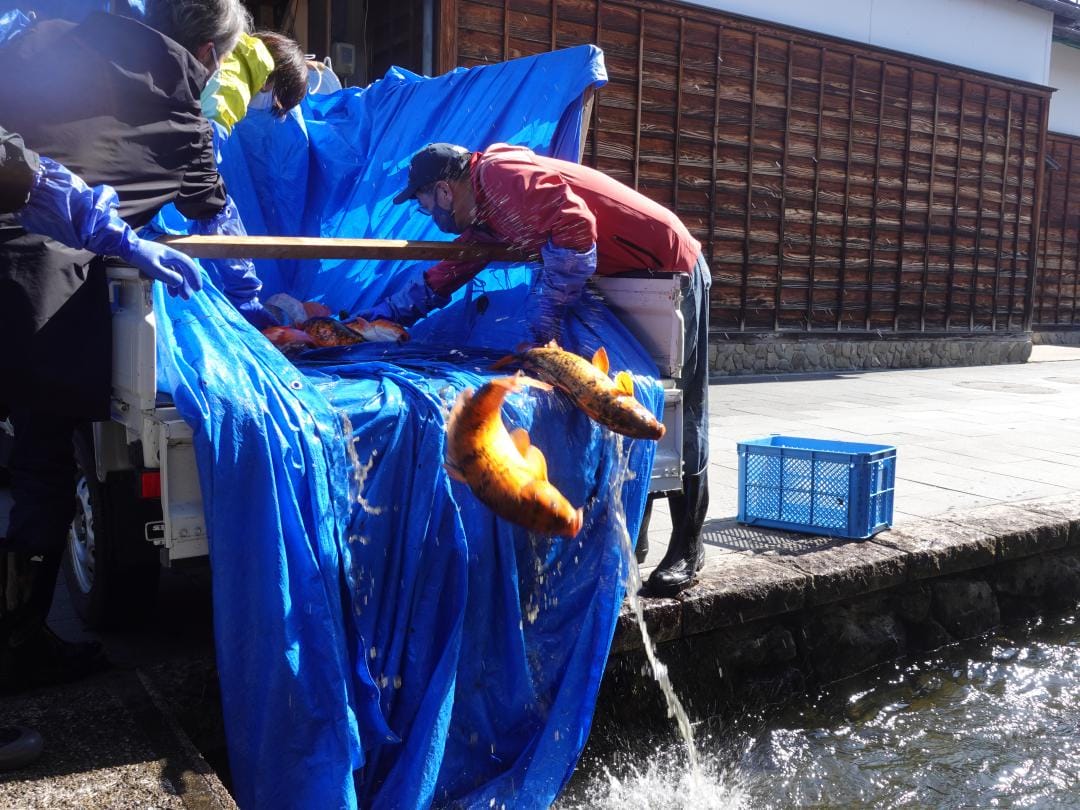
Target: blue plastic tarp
(382, 639)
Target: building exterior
(895, 175)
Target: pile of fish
(503, 468)
(313, 326)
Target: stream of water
(993, 722)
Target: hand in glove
(409, 304)
(235, 277)
(560, 282)
(62, 207)
(258, 315)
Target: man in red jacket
(580, 222)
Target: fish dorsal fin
(454, 473)
(624, 384)
(503, 362)
(521, 440)
(534, 459)
(536, 462)
(600, 360)
(551, 344)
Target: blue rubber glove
(409, 304)
(62, 207)
(258, 315)
(559, 285)
(235, 277)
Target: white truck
(139, 504)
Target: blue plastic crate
(841, 489)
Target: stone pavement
(964, 437)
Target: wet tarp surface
(382, 639)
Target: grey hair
(195, 22)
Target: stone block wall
(1056, 337)
(739, 354)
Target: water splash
(659, 669)
(662, 782)
(360, 470)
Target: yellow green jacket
(243, 73)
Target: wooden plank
(1017, 223)
(749, 185)
(1001, 216)
(816, 207)
(874, 200)
(783, 198)
(448, 35)
(506, 30)
(640, 62)
(951, 278)
(979, 213)
(716, 125)
(904, 202)
(929, 209)
(303, 247)
(847, 201)
(1069, 178)
(675, 173)
(597, 33)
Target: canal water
(994, 722)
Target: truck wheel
(111, 570)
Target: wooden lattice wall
(1056, 288)
(834, 186)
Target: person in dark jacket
(580, 222)
(117, 103)
(49, 200)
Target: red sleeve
(446, 276)
(529, 203)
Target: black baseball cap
(436, 161)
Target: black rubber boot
(31, 654)
(18, 747)
(641, 550)
(685, 554)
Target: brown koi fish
(505, 471)
(327, 331)
(611, 404)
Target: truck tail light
(150, 484)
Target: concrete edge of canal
(763, 624)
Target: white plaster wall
(1005, 37)
(1065, 76)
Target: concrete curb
(740, 587)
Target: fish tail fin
(503, 362)
(624, 383)
(455, 412)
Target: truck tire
(111, 570)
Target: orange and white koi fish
(504, 470)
